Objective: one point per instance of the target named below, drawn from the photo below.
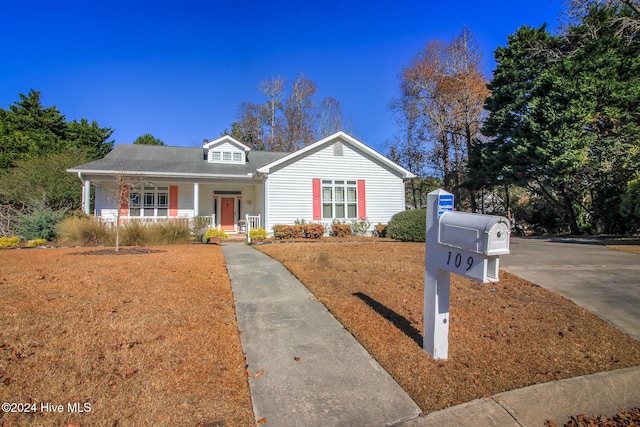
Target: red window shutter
(124, 201)
(173, 200)
(362, 201)
(317, 201)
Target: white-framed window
(222, 156)
(149, 201)
(339, 199)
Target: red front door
(227, 213)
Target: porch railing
(253, 221)
(204, 221)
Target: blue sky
(180, 69)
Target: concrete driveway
(604, 281)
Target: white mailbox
(482, 234)
(456, 242)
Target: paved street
(602, 280)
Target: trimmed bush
(381, 230)
(313, 230)
(310, 230)
(339, 229)
(9, 242)
(258, 234)
(283, 231)
(84, 232)
(408, 226)
(298, 231)
(214, 232)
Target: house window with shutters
(339, 199)
(149, 202)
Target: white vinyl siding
(290, 189)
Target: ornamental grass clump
(84, 232)
(134, 233)
(174, 232)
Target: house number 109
(457, 260)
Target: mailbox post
(456, 242)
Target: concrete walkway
(306, 369)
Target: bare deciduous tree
(299, 124)
(273, 89)
(443, 93)
(121, 197)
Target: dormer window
(219, 156)
(226, 150)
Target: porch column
(196, 199)
(86, 197)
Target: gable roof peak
(339, 136)
(228, 139)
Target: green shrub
(84, 231)
(360, 227)
(214, 232)
(36, 242)
(134, 233)
(408, 226)
(40, 224)
(381, 230)
(339, 229)
(258, 234)
(9, 242)
(313, 230)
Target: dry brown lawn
(634, 249)
(502, 336)
(142, 338)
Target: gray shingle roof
(162, 160)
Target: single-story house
(337, 177)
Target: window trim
(226, 156)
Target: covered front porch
(232, 206)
